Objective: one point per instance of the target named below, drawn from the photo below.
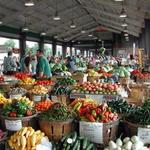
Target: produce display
(121, 72)
(39, 89)
(89, 111)
(21, 107)
(2, 134)
(66, 81)
(27, 81)
(4, 100)
(21, 75)
(133, 143)
(121, 106)
(92, 73)
(139, 74)
(26, 139)
(1, 79)
(57, 112)
(43, 106)
(74, 142)
(17, 90)
(44, 82)
(96, 88)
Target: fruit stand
(74, 114)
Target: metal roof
(87, 14)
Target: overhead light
(79, 42)
(1, 22)
(127, 38)
(126, 34)
(95, 38)
(43, 33)
(125, 29)
(124, 24)
(90, 35)
(72, 26)
(25, 29)
(72, 41)
(83, 31)
(56, 17)
(123, 13)
(29, 3)
(99, 40)
(65, 39)
(55, 36)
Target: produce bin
(27, 87)
(13, 124)
(55, 130)
(99, 133)
(142, 131)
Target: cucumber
(79, 143)
(68, 147)
(74, 136)
(81, 138)
(75, 145)
(90, 147)
(85, 143)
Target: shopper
(10, 65)
(71, 64)
(43, 69)
(32, 66)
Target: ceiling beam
(138, 22)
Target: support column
(75, 50)
(64, 50)
(54, 47)
(22, 44)
(71, 49)
(41, 43)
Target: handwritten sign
(93, 131)
(144, 135)
(13, 125)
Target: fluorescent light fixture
(72, 26)
(1, 22)
(79, 42)
(124, 24)
(83, 31)
(29, 3)
(43, 33)
(126, 34)
(123, 13)
(125, 30)
(99, 40)
(25, 29)
(56, 17)
(95, 38)
(90, 35)
(72, 41)
(55, 36)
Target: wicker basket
(55, 130)
(132, 129)
(25, 122)
(64, 99)
(93, 78)
(27, 87)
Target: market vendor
(43, 68)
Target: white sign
(144, 135)
(93, 131)
(13, 125)
(37, 98)
(98, 98)
(54, 98)
(15, 96)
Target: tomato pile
(45, 82)
(138, 73)
(21, 75)
(1, 79)
(96, 88)
(89, 111)
(42, 106)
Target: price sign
(54, 98)
(15, 96)
(144, 135)
(13, 125)
(98, 98)
(37, 98)
(93, 131)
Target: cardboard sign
(13, 125)
(144, 135)
(93, 131)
